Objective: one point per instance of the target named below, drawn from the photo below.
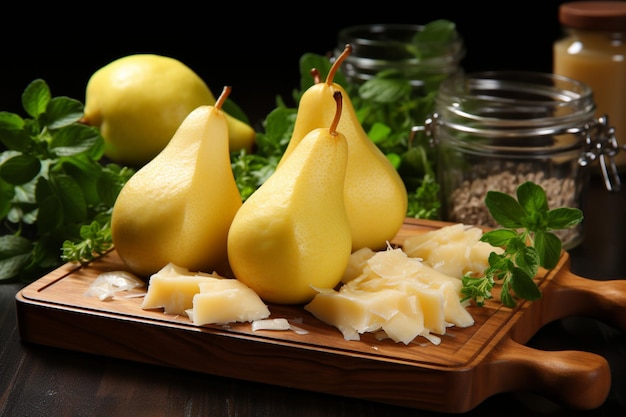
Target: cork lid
(594, 15)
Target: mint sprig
(529, 242)
(56, 192)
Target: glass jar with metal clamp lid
(496, 130)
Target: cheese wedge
(222, 301)
(354, 312)
(173, 287)
(404, 327)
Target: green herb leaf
(523, 286)
(504, 209)
(20, 169)
(499, 237)
(15, 255)
(548, 248)
(527, 240)
(563, 218)
(63, 111)
(532, 198)
(434, 39)
(36, 97)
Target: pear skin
(178, 207)
(138, 101)
(376, 197)
(292, 234)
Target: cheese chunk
(354, 312)
(403, 327)
(454, 311)
(454, 250)
(173, 288)
(222, 301)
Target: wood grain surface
(469, 365)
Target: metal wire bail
(601, 144)
(428, 128)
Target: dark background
(254, 48)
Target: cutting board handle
(572, 295)
(576, 379)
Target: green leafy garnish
(528, 241)
(56, 194)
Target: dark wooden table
(42, 381)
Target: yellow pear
(292, 234)
(178, 207)
(376, 198)
(138, 101)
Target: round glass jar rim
(515, 104)
(388, 45)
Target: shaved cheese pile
(454, 250)
(394, 294)
(204, 298)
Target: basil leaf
(498, 237)
(524, 285)
(20, 169)
(36, 97)
(549, 248)
(76, 139)
(564, 218)
(532, 198)
(63, 111)
(504, 209)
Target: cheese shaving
(107, 284)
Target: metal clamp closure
(601, 144)
(428, 128)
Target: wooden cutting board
(469, 365)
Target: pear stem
(333, 125)
(222, 98)
(315, 73)
(331, 74)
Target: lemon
(139, 101)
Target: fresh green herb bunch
(56, 195)
(527, 239)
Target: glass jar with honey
(593, 51)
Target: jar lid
(594, 15)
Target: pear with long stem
(375, 195)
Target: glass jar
(593, 50)
(397, 47)
(497, 130)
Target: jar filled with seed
(497, 130)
